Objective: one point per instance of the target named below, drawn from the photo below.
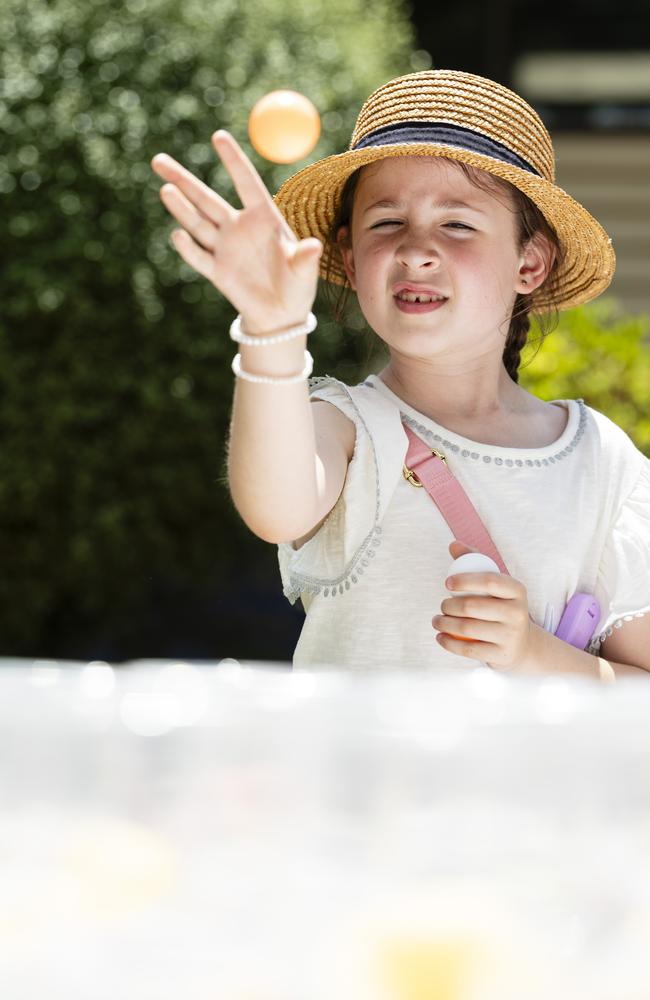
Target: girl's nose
(418, 253)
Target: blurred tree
(117, 534)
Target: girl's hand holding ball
(489, 620)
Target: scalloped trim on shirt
(300, 583)
(596, 642)
(439, 440)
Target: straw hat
(468, 118)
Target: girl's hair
(529, 221)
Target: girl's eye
(395, 222)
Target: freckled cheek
(485, 278)
(372, 275)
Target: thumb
(458, 548)
(306, 253)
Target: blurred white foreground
(229, 832)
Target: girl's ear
(534, 264)
(345, 247)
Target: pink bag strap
(428, 468)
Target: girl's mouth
(409, 303)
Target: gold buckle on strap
(412, 478)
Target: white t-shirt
(573, 516)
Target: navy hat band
(449, 135)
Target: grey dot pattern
(435, 440)
(303, 583)
(597, 640)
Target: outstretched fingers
(248, 184)
(200, 228)
(192, 253)
(249, 254)
(208, 202)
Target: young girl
(444, 219)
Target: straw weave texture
(310, 198)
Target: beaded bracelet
(237, 334)
(273, 379)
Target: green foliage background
(600, 354)
(117, 535)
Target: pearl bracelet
(273, 379)
(237, 334)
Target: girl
(444, 219)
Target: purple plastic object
(579, 621)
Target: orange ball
(284, 126)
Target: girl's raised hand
(250, 254)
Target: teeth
(412, 297)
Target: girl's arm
(272, 448)
(552, 655)
(303, 451)
(285, 473)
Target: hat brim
(310, 198)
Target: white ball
(472, 562)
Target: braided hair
(517, 337)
